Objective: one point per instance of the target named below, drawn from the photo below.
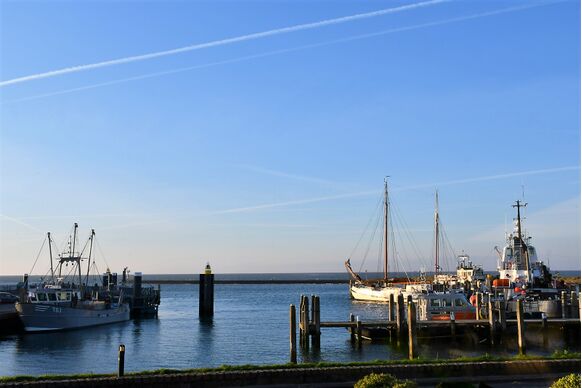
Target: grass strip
(557, 355)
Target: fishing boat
(380, 290)
(66, 302)
(518, 261)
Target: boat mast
(51, 256)
(72, 254)
(89, 259)
(519, 205)
(436, 234)
(386, 229)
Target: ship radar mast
(523, 245)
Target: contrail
(329, 198)
(490, 178)
(20, 222)
(222, 42)
(283, 51)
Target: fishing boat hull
(38, 317)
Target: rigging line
(398, 257)
(371, 241)
(375, 213)
(410, 238)
(38, 255)
(101, 251)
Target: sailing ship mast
(386, 229)
(436, 234)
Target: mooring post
(502, 315)
(359, 331)
(391, 308)
(491, 317)
(477, 304)
(316, 335)
(400, 314)
(293, 333)
(573, 305)
(352, 328)
(520, 327)
(453, 325)
(564, 305)
(305, 319)
(301, 323)
(121, 360)
(206, 293)
(411, 330)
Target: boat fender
(473, 300)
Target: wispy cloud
(282, 51)
(222, 42)
(282, 174)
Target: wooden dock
(403, 325)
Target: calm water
(250, 326)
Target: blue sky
(268, 155)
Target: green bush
(570, 381)
(375, 380)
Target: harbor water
(250, 326)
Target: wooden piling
(293, 334)
(411, 330)
(453, 326)
(520, 328)
(305, 319)
(574, 309)
(121, 361)
(400, 314)
(391, 308)
(352, 329)
(359, 331)
(316, 335)
(502, 315)
(477, 305)
(491, 318)
(564, 305)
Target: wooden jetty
(402, 326)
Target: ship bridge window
(41, 297)
(508, 252)
(532, 251)
(447, 302)
(459, 302)
(435, 303)
(52, 296)
(64, 296)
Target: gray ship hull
(38, 317)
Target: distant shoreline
(272, 281)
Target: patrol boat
(66, 302)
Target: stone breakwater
(336, 376)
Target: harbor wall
(327, 375)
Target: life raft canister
(501, 283)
